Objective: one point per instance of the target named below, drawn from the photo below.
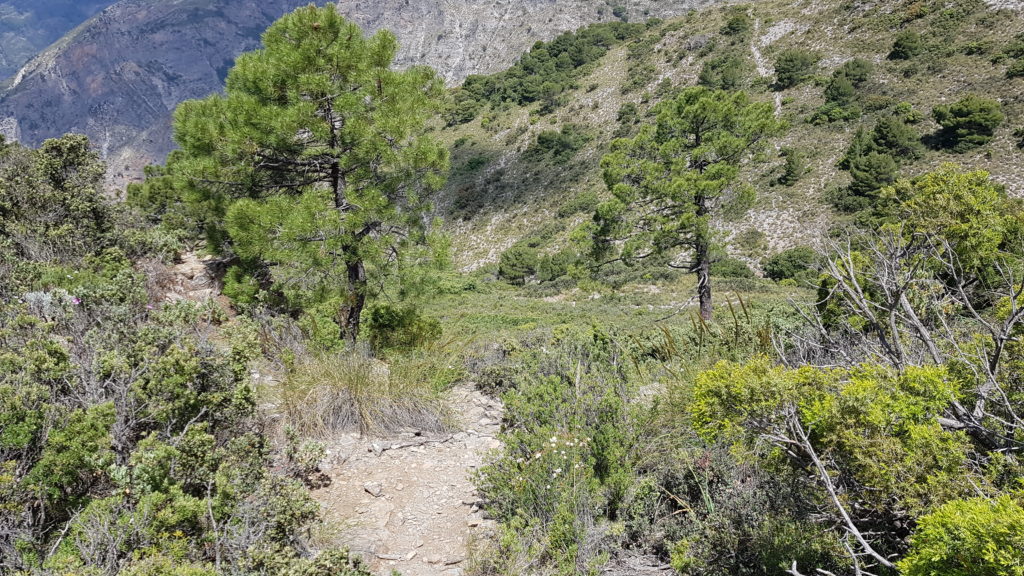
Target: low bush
(977, 537)
(737, 23)
(794, 66)
(731, 268)
(518, 263)
(906, 46)
(794, 167)
(725, 72)
(400, 327)
(565, 467)
(792, 264)
(968, 123)
(560, 145)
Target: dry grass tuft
(330, 393)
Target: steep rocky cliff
(462, 37)
(119, 77)
(29, 26)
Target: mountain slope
(29, 26)
(118, 78)
(485, 36)
(505, 189)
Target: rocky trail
(406, 503)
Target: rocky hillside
(29, 26)
(523, 175)
(118, 78)
(463, 37)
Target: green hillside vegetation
(813, 62)
(848, 402)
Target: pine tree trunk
(355, 298)
(702, 252)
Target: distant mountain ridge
(29, 26)
(118, 78)
(463, 37)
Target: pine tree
(315, 164)
(670, 180)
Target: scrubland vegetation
(849, 402)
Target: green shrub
(752, 241)
(52, 205)
(400, 327)
(840, 91)
(240, 286)
(969, 123)
(906, 46)
(977, 48)
(565, 462)
(740, 518)
(517, 264)
(542, 235)
(976, 537)
(583, 203)
(628, 116)
(725, 72)
(895, 137)
(794, 168)
(543, 74)
(877, 425)
(831, 112)
(794, 66)
(731, 268)
(792, 264)
(560, 145)
(319, 324)
(737, 23)
(463, 108)
(871, 172)
(554, 266)
(1015, 48)
(639, 75)
(906, 112)
(857, 71)
(1016, 69)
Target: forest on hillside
(685, 390)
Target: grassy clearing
(501, 310)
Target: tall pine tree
(670, 180)
(314, 166)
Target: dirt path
(407, 502)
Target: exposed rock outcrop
(463, 37)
